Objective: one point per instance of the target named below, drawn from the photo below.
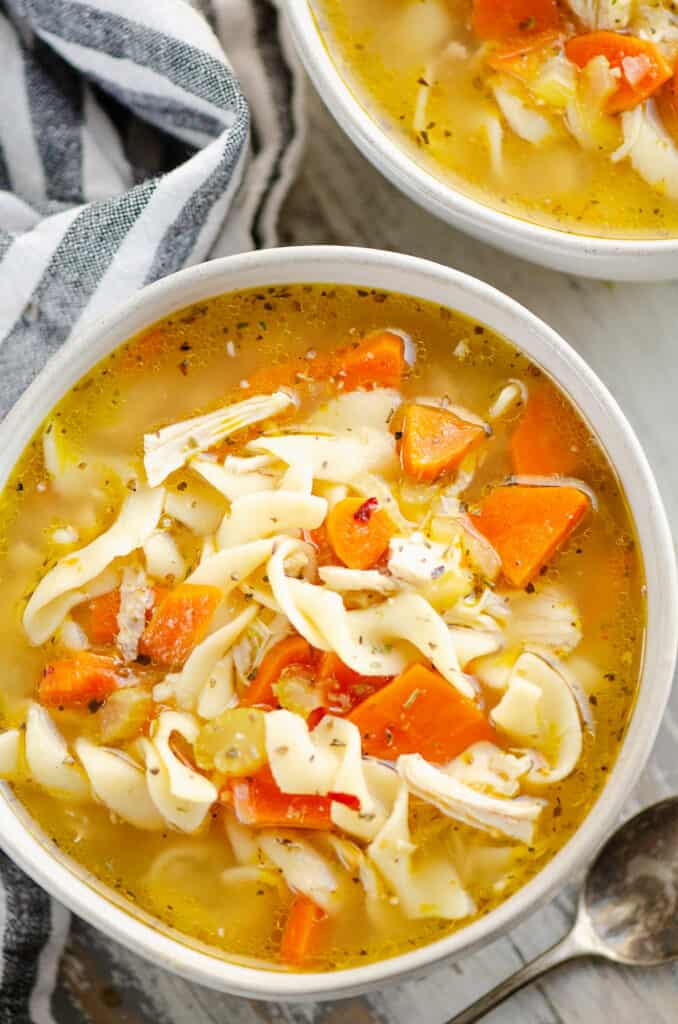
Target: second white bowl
(588, 256)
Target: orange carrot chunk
(324, 552)
(527, 525)
(80, 679)
(293, 650)
(179, 622)
(301, 930)
(643, 68)
(359, 532)
(258, 801)
(435, 441)
(502, 19)
(103, 618)
(419, 712)
(549, 439)
(345, 688)
(377, 361)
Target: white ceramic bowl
(586, 255)
(367, 268)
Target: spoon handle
(567, 949)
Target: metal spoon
(628, 906)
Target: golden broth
(385, 49)
(191, 362)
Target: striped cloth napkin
(123, 157)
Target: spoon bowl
(631, 890)
(628, 906)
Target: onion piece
(525, 480)
(514, 391)
(409, 347)
(467, 415)
(419, 121)
(478, 548)
(633, 122)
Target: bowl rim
(443, 199)
(425, 280)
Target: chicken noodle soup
(562, 112)
(321, 621)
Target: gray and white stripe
(121, 156)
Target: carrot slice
(549, 439)
(642, 66)
(345, 688)
(508, 19)
(258, 801)
(179, 622)
(527, 525)
(103, 618)
(377, 361)
(419, 712)
(78, 680)
(301, 930)
(359, 531)
(324, 551)
(293, 650)
(435, 441)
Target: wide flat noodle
(119, 783)
(339, 578)
(262, 515)
(328, 759)
(11, 746)
(48, 759)
(371, 641)
(185, 687)
(304, 868)
(196, 507)
(218, 692)
(337, 458)
(234, 483)
(60, 590)
(382, 786)
(428, 886)
(372, 410)
(377, 904)
(181, 795)
(228, 569)
(164, 561)
(298, 762)
(243, 840)
(539, 711)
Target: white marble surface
(629, 334)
